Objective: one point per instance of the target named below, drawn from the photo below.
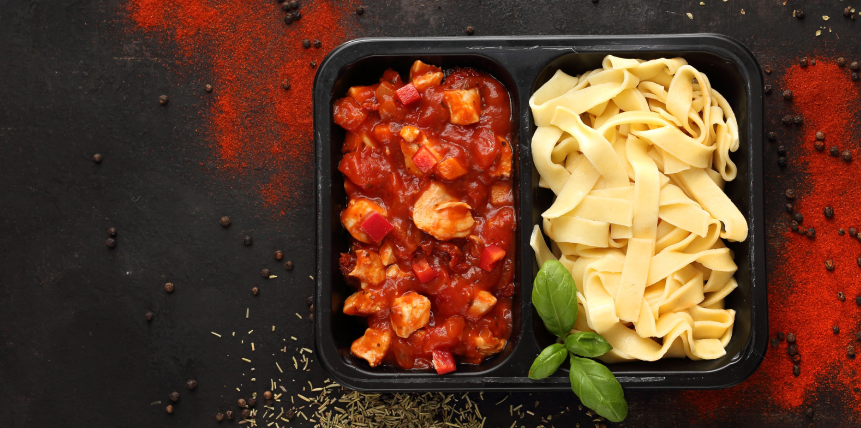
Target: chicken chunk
(394, 272)
(484, 344)
(502, 166)
(410, 312)
(482, 303)
(369, 268)
(355, 213)
(387, 253)
(410, 134)
(441, 215)
(464, 106)
(363, 303)
(372, 346)
(424, 75)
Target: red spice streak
(261, 133)
(802, 295)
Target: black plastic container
(523, 64)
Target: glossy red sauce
(374, 167)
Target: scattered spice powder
(261, 135)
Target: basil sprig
(554, 296)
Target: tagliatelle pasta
(637, 153)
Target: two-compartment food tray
(523, 64)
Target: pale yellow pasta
(637, 153)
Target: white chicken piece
(410, 312)
(354, 215)
(484, 344)
(387, 253)
(363, 304)
(464, 106)
(394, 271)
(369, 268)
(372, 346)
(482, 303)
(441, 215)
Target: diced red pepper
(376, 226)
(349, 114)
(423, 270)
(408, 94)
(443, 362)
(492, 254)
(425, 159)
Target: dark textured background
(75, 348)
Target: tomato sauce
(427, 168)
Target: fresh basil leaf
(587, 344)
(548, 361)
(554, 296)
(598, 389)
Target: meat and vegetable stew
(428, 176)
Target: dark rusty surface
(76, 349)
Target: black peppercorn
(290, 414)
(840, 296)
(798, 217)
(841, 232)
(288, 18)
(835, 329)
(360, 10)
(112, 231)
(858, 333)
(799, 13)
(855, 66)
(169, 409)
(163, 100)
(794, 226)
(294, 4)
(829, 212)
(803, 61)
(774, 342)
(798, 120)
(265, 273)
(854, 76)
(809, 412)
(820, 135)
(781, 150)
(279, 255)
(149, 316)
(288, 265)
(811, 233)
(208, 88)
(252, 402)
(191, 384)
(97, 158)
(309, 301)
(834, 151)
(767, 89)
(846, 155)
(285, 5)
(111, 242)
(247, 240)
(225, 221)
(781, 160)
(772, 136)
(792, 349)
(847, 11)
(829, 264)
(796, 358)
(285, 84)
(317, 44)
(174, 396)
(780, 336)
(819, 146)
(255, 291)
(297, 15)
(246, 413)
(789, 208)
(852, 231)
(267, 395)
(767, 69)
(470, 30)
(787, 120)
(790, 337)
(796, 370)
(841, 61)
(787, 94)
(219, 416)
(790, 193)
(306, 43)
(168, 287)
(850, 351)
(229, 415)
(241, 402)
(313, 64)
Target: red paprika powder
(261, 133)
